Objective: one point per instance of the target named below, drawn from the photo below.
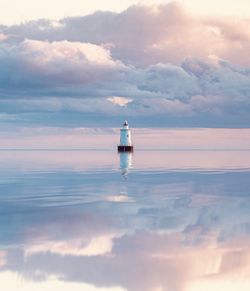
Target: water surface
(174, 220)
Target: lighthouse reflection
(125, 163)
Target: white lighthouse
(125, 139)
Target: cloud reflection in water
(185, 229)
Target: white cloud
(75, 52)
(120, 101)
(38, 63)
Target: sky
(15, 11)
(94, 63)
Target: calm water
(96, 220)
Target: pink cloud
(146, 35)
(190, 70)
(3, 37)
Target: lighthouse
(125, 139)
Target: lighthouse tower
(125, 139)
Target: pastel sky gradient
(14, 11)
(156, 63)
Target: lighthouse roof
(125, 123)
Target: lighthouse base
(122, 148)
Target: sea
(174, 215)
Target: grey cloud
(178, 69)
(34, 64)
(195, 87)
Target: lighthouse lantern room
(125, 139)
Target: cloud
(120, 101)
(149, 57)
(3, 37)
(146, 35)
(33, 64)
